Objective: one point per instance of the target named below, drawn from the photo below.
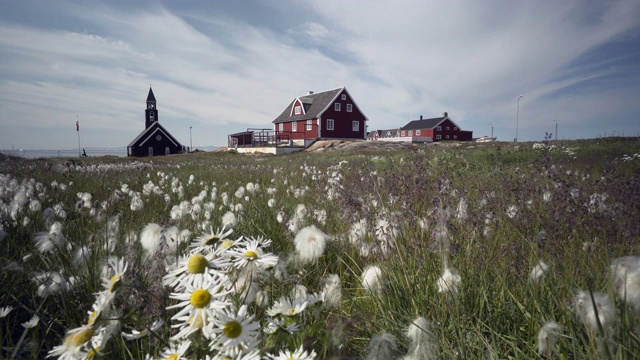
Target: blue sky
(225, 66)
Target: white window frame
(330, 124)
(403, 133)
(447, 128)
(438, 137)
(344, 97)
(410, 132)
(297, 110)
(309, 125)
(447, 136)
(336, 106)
(438, 128)
(417, 132)
(355, 125)
(455, 128)
(455, 136)
(349, 108)
(281, 127)
(294, 126)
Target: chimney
(310, 92)
(444, 114)
(420, 117)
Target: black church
(155, 139)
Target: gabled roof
(150, 132)
(424, 123)
(150, 97)
(388, 133)
(314, 105)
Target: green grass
(497, 313)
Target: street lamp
(517, 116)
(190, 142)
(556, 121)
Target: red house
(331, 114)
(438, 129)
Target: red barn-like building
(331, 114)
(438, 129)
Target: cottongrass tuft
(625, 272)
(423, 342)
(548, 337)
(310, 243)
(449, 282)
(150, 238)
(332, 291)
(382, 347)
(603, 312)
(372, 279)
(538, 272)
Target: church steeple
(151, 113)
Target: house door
(167, 151)
(150, 150)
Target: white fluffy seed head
(372, 279)
(310, 243)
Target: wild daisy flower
(288, 307)
(135, 334)
(512, 211)
(372, 279)
(310, 243)
(548, 337)
(175, 351)
(236, 331)
(4, 311)
(31, 323)
(198, 304)
(209, 240)
(276, 324)
(73, 343)
(251, 252)
(298, 354)
(449, 282)
(192, 266)
(112, 274)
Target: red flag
(77, 126)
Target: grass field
(480, 251)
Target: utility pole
(556, 121)
(190, 142)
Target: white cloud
(216, 71)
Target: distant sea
(91, 152)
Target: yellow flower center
(251, 254)
(290, 358)
(292, 311)
(200, 298)
(172, 357)
(212, 240)
(115, 283)
(79, 338)
(93, 352)
(197, 264)
(93, 316)
(232, 329)
(226, 244)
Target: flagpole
(78, 131)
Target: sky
(220, 67)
